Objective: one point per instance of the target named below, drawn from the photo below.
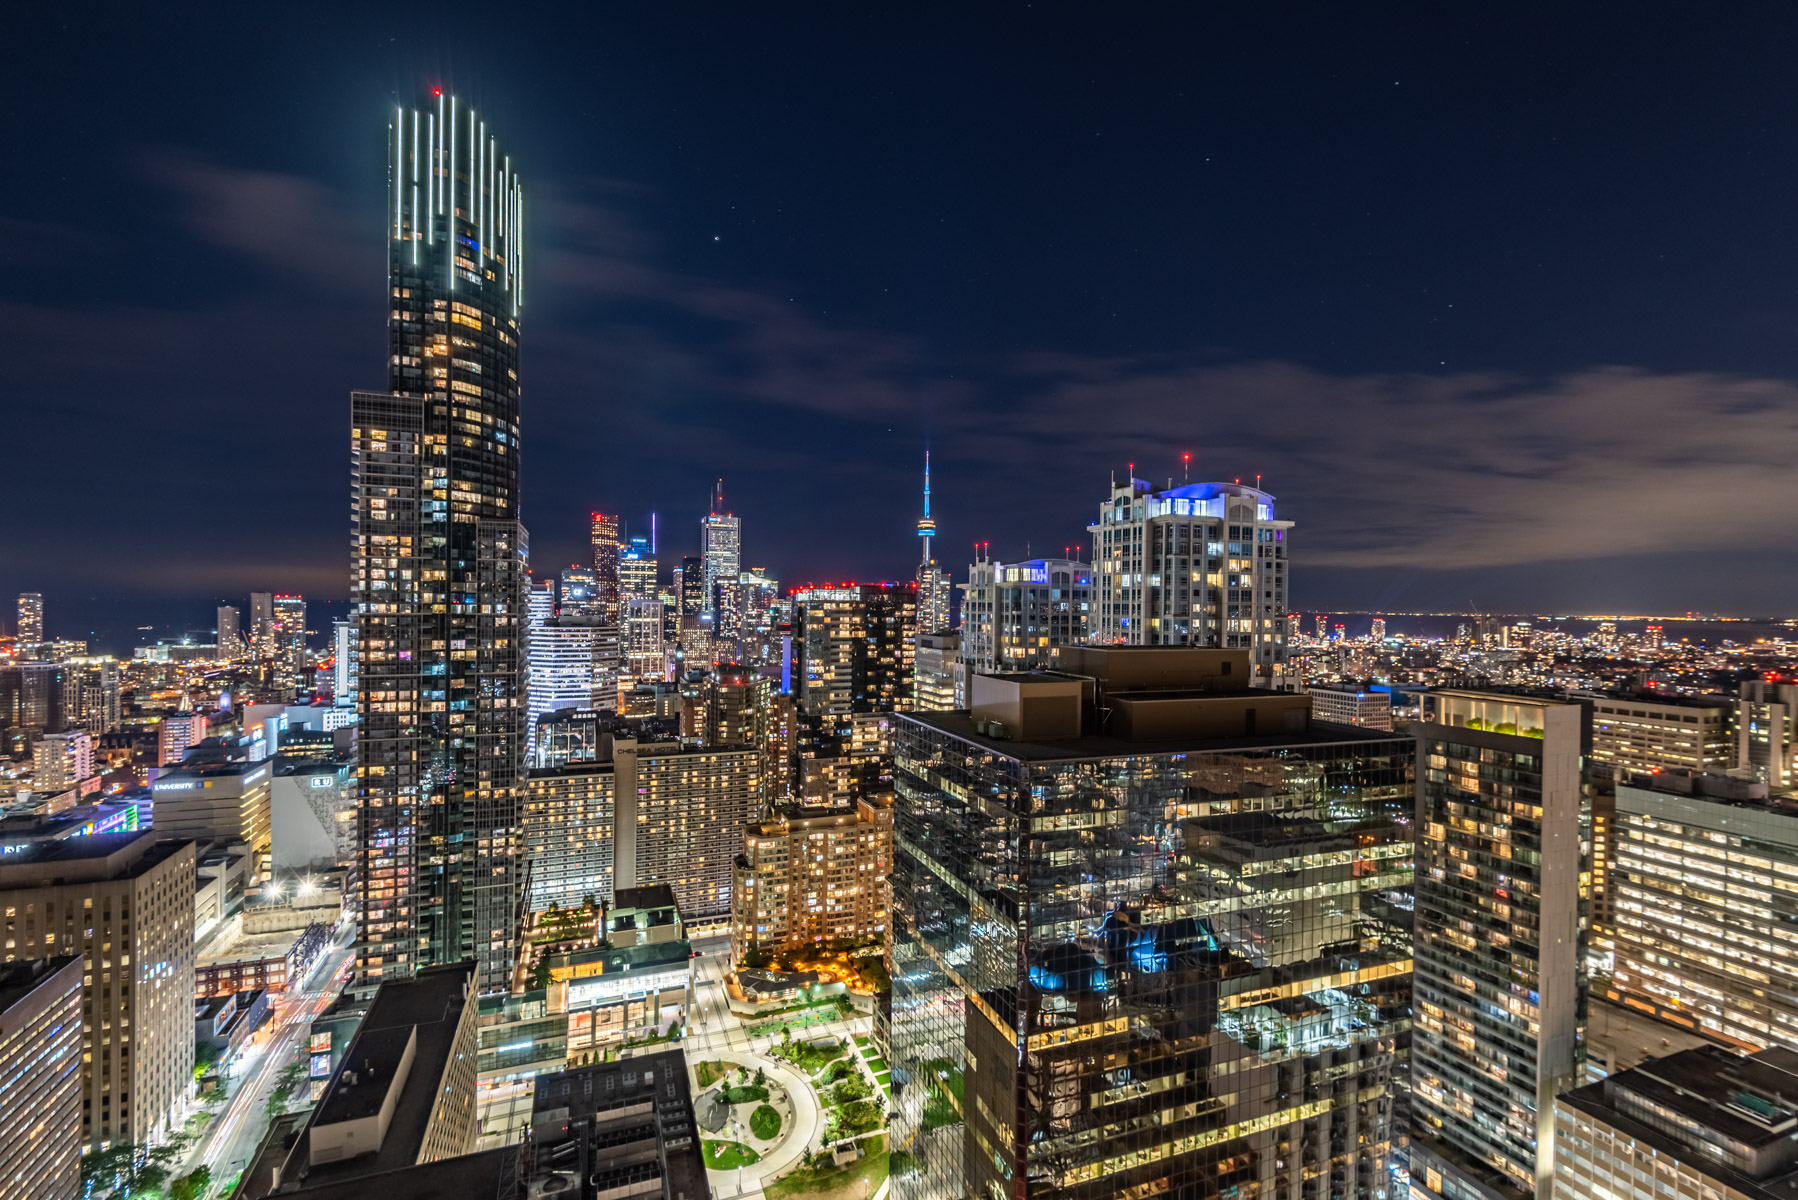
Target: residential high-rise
(91, 690)
(1767, 732)
(1150, 937)
(932, 579)
(291, 665)
(1017, 616)
(125, 902)
(691, 586)
(31, 618)
(230, 634)
(40, 1075)
(764, 612)
(1500, 939)
(1378, 631)
(852, 653)
(721, 548)
(646, 813)
(262, 626)
(810, 881)
(62, 760)
(607, 591)
(177, 733)
(636, 571)
(1204, 564)
(438, 562)
(1699, 1124)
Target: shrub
(764, 1122)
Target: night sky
(1502, 302)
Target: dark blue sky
(1501, 302)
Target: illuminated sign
(321, 1066)
(321, 1043)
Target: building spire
(927, 526)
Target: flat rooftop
(1090, 746)
(563, 1100)
(19, 979)
(489, 1175)
(431, 1003)
(86, 859)
(650, 895)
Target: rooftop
(1093, 746)
(489, 1175)
(102, 856)
(587, 1116)
(650, 895)
(19, 979)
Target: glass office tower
(438, 556)
(1169, 959)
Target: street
(231, 1137)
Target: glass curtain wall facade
(437, 562)
(1170, 973)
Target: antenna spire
(927, 525)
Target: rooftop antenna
(1186, 468)
(927, 525)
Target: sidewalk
(807, 1121)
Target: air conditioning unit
(558, 1187)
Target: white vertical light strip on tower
(450, 182)
(431, 179)
(473, 179)
(506, 220)
(518, 292)
(480, 224)
(415, 187)
(437, 156)
(399, 154)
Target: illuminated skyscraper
(580, 592)
(290, 642)
(644, 639)
(605, 563)
(438, 561)
(1149, 938)
(1500, 940)
(636, 571)
(31, 618)
(1016, 616)
(721, 548)
(230, 639)
(262, 626)
(852, 650)
(1204, 564)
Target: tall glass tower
(437, 561)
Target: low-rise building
(1350, 704)
(217, 802)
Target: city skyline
(1251, 237)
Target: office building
(1017, 616)
(763, 621)
(580, 592)
(1204, 564)
(40, 1078)
(606, 582)
(1500, 939)
(721, 549)
(1660, 732)
(124, 901)
(1766, 718)
(932, 579)
(636, 571)
(809, 881)
(1352, 704)
(649, 813)
(851, 670)
(262, 626)
(734, 707)
(934, 672)
(62, 760)
(645, 646)
(1702, 1124)
(1149, 936)
(229, 633)
(1702, 866)
(690, 586)
(31, 618)
(574, 663)
(403, 1093)
(226, 802)
(624, 1128)
(439, 566)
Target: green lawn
(813, 1180)
(862, 1041)
(875, 1063)
(712, 1071)
(764, 1122)
(728, 1156)
(745, 1095)
(808, 1058)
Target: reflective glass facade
(1174, 972)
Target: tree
(130, 1169)
(761, 1077)
(192, 1186)
(286, 1084)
